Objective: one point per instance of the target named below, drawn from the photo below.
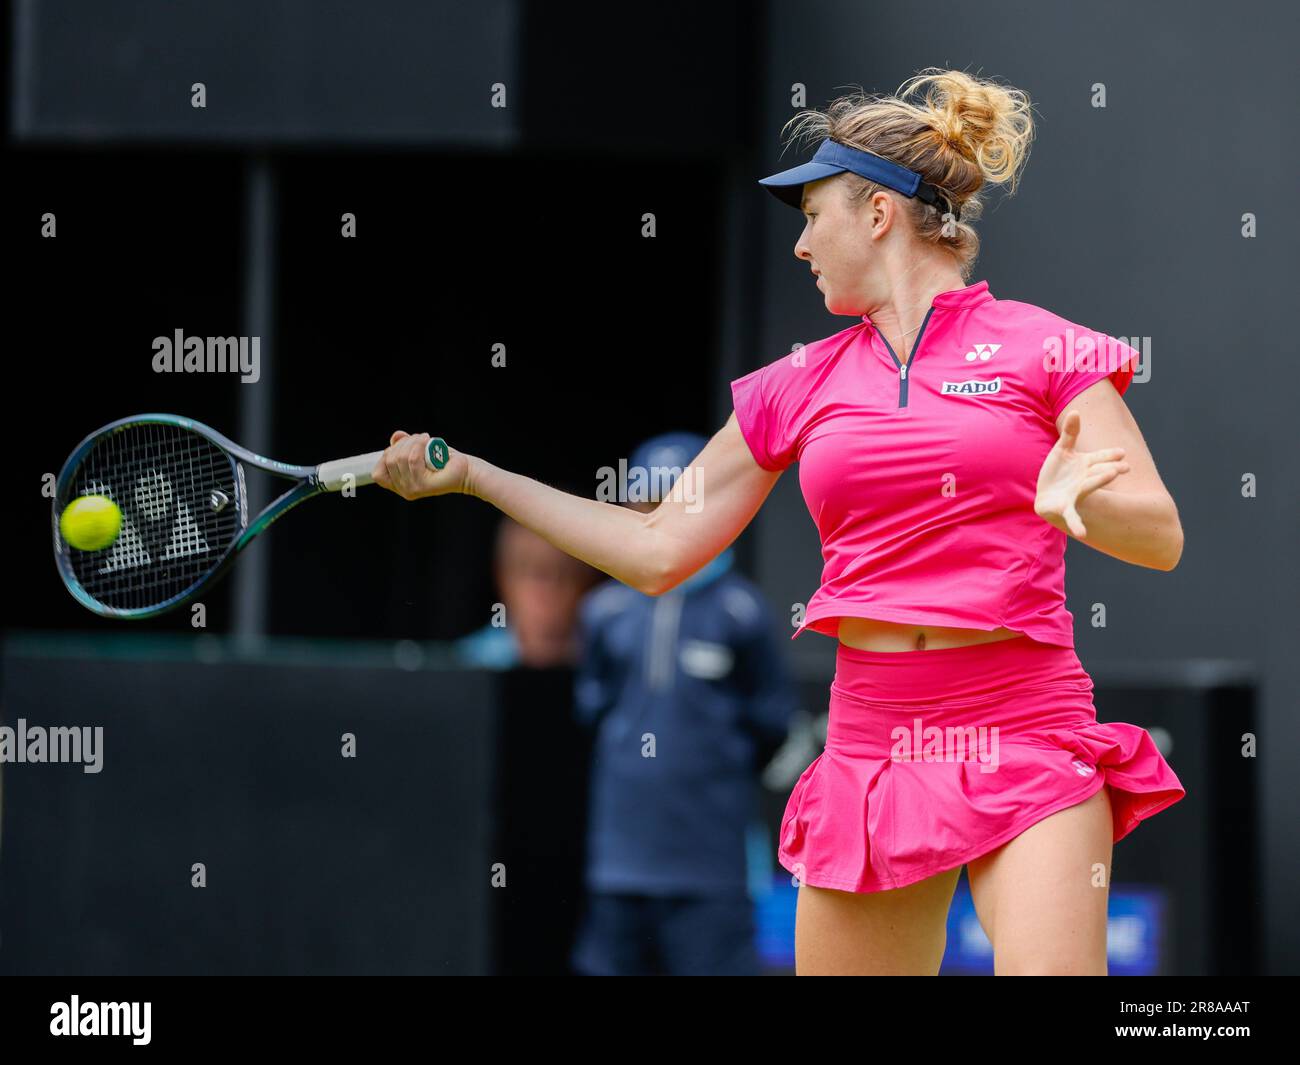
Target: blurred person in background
(540, 588)
(689, 699)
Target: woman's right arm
(652, 552)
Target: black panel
(284, 72)
(607, 339)
(315, 863)
(541, 804)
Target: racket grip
(332, 476)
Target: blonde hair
(958, 132)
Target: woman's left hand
(1068, 476)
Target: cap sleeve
(1076, 362)
(758, 413)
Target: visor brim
(787, 186)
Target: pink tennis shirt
(921, 477)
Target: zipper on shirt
(902, 366)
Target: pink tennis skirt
(934, 758)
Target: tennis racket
(180, 487)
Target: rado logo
(971, 388)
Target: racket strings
(180, 513)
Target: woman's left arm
(1099, 483)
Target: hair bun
(953, 139)
(985, 122)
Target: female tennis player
(949, 444)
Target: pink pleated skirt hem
(935, 758)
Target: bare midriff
(867, 634)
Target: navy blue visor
(835, 158)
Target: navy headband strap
(882, 172)
(833, 157)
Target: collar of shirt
(957, 299)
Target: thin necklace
(909, 333)
(918, 325)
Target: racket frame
(310, 484)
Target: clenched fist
(404, 468)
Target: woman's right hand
(403, 469)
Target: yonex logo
(153, 504)
(983, 352)
(971, 388)
(1083, 768)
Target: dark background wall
(313, 863)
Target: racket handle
(331, 476)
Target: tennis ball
(90, 523)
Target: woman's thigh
(1042, 896)
(901, 932)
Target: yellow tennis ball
(90, 523)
